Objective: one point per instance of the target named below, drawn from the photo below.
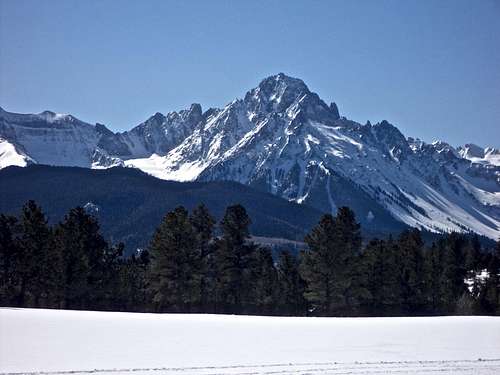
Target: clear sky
(430, 67)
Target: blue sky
(430, 67)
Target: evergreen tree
(472, 256)
(203, 225)
(432, 276)
(175, 278)
(132, 293)
(86, 257)
(330, 265)
(349, 247)
(380, 268)
(318, 266)
(37, 262)
(489, 295)
(291, 286)
(263, 282)
(111, 282)
(233, 258)
(412, 279)
(9, 252)
(453, 272)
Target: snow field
(73, 342)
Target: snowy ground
(71, 342)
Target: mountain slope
(130, 204)
(283, 139)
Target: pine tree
(330, 265)
(349, 244)
(380, 266)
(233, 258)
(9, 252)
(37, 262)
(175, 278)
(203, 224)
(263, 283)
(432, 276)
(489, 295)
(85, 260)
(412, 279)
(472, 256)
(318, 266)
(291, 286)
(453, 272)
(132, 293)
(111, 282)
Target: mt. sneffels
(282, 138)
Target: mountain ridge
(284, 139)
(130, 204)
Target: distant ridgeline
(187, 268)
(130, 204)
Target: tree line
(194, 264)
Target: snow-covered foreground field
(73, 342)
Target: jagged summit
(284, 139)
(280, 80)
(157, 117)
(194, 113)
(291, 97)
(196, 109)
(277, 92)
(335, 110)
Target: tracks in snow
(464, 367)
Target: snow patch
(9, 155)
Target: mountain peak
(279, 92)
(470, 150)
(392, 138)
(193, 114)
(282, 81)
(158, 117)
(276, 93)
(335, 110)
(196, 108)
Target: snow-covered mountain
(283, 138)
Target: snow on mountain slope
(77, 342)
(283, 138)
(480, 155)
(10, 155)
(57, 139)
(50, 138)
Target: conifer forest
(194, 264)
